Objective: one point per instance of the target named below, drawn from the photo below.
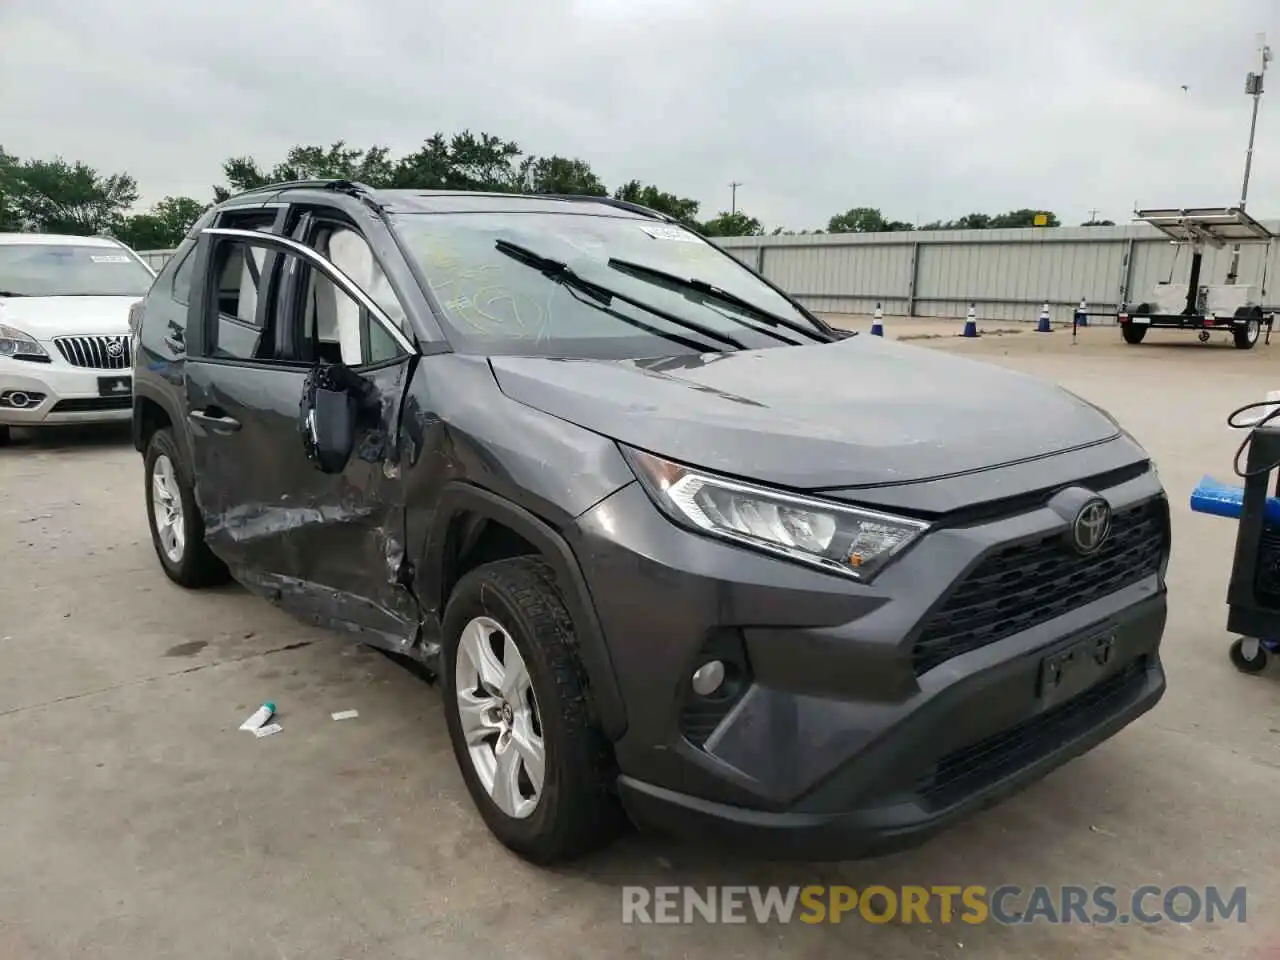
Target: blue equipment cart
(1253, 597)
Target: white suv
(65, 351)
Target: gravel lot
(138, 823)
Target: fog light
(708, 678)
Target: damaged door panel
(327, 544)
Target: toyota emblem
(1092, 526)
(115, 348)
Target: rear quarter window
(174, 279)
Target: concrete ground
(137, 822)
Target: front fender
(459, 497)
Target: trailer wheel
(1246, 336)
(1133, 332)
(1248, 655)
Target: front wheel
(177, 529)
(5, 435)
(534, 759)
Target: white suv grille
(99, 353)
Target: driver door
(327, 546)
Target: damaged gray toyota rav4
(675, 550)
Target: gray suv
(676, 550)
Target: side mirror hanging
(332, 399)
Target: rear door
(328, 547)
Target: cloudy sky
(924, 108)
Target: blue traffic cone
(1044, 326)
(877, 322)
(1082, 314)
(971, 322)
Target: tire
(576, 810)
(1246, 337)
(192, 564)
(1245, 663)
(5, 435)
(1133, 333)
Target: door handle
(175, 344)
(213, 421)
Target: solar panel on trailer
(1222, 224)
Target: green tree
(647, 195)
(1026, 217)
(163, 226)
(1098, 223)
(864, 220)
(9, 217)
(334, 162)
(55, 196)
(737, 224)
(559, 175)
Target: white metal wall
(1008, 274)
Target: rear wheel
(177, 529)
(534, 759)
(1246, 335)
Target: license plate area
(115, 386)
(1142, 320)
(1074, 669)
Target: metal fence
(155, 258)
(1007, 274)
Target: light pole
(1252, 87)
(733, 203)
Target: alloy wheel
(499, 717)
(166, 503)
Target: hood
(48, 317)
(862, 411)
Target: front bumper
(67, 394)
(837, 744)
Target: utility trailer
(1233, 308)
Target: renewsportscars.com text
(1005, 904)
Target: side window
(336, 328)
(182, 275)
(175, 275)
(270, 305)
(350, 252)
(237, 276)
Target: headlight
(846, 540)
(14, 343)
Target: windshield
(499, 303)
(70, 270)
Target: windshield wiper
(561, 272)
(713, 292)
(10, 293)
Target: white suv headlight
(847, 540)
(14, 343)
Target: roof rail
(335, 183)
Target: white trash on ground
(346, 714)
(259, 717)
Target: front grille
(88, 404)
(969, 769)
(100, 353)
(1018, 587)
